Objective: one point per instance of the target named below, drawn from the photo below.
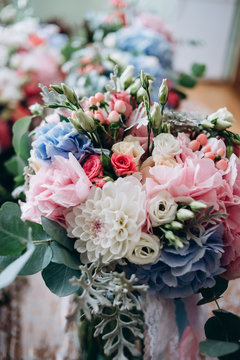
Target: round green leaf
(217, 348)
(12, 270)
(13, 231)
(230, 323)
(57, 233)
(57, 276)
(40, 259)
(63, 256)
(198, 70)
(186, 80)
(214, 329)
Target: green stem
(41, 242)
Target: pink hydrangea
(54, 189)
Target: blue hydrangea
(182, 272)
(145, 41)
(59, 139)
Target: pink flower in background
(54, 189)
(125, 97)
(153, 22)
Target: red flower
(93, 167)
(5, 136)
(123, 164)
(173, 99)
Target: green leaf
(11, 271)
(186, 80)
(21, 140)
(57, 276)
(62, 256)
(211, 294)
(230, 323)
(39, 259)
(15, 165)
(198, 70)
(38, 234)
(214, 329)
(57, 233)
(105, 161)
(13, 231)
(217, 348)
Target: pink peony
(54, 189)
(125, 97)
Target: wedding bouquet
(30, 53)
(125, 37)
(134, 208)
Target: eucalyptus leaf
(63, 256)
(214, 329)
(211, 294)
(12, 270)
(15, 165)
(39, 259)
(21, 140)
(198, 70)
(13, 231)
(217, 348)
(57, 233)
(230, 323)
(57, 278)
(186, 80)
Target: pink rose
(98, 182)
(123, 164)
(93, 167)
(54, 189)
(125, 97)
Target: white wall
(209, 21)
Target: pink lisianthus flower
(125, 97)
(196, 178)
(54, 189)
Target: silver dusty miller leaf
(112, 297)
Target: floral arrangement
(30, 53)
(125, 37)
(134, 208)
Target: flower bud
(133, 89)
(207, 124)
(173, 239)
(57, 88)
(36, 109)
(156, 117)
(144, 80)
(85, 121)
(127, 77)
(197, 206)
(184, 214)
(141, 94)
(70, 94)
(163, 93)
(176, 225)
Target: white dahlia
(109, 223)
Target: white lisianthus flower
(166, 161)
(130, 146)
(165, 146)
(161, 208)
(109, 223)
(223, 117)
(146, 251)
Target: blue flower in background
(145, 41)
(59, 139)
(182, 272)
